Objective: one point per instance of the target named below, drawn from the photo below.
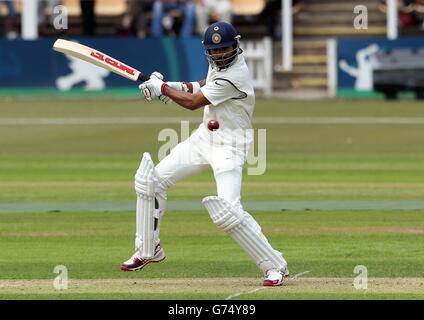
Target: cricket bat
(98, 58)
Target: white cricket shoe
(135, 263)
(275, 277)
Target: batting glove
(152, 88)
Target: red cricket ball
(213, 125)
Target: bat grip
(142, 77)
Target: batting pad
(145, 182)
(233, 221)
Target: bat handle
(142, 77)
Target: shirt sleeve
(220, 90)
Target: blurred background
(295, 48)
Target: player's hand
(165, 99)
(151, 89)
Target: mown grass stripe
(185, 205)
(177, 120)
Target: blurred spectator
(408, 16)
(271, 14)
(162, 19)
(88, 17)
(43, 20)
(419, 11)
(211, 11)
(10, 20)
(135, 17)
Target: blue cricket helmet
(221, 35)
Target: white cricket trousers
(198, 153)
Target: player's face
(222, 56)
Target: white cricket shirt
(232, 102)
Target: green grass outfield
(344, 186)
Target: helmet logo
(216, 38)
(216, 28)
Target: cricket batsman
(220, 142)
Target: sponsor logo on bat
(112, 62)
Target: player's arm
(212, 93)
(189, 97)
